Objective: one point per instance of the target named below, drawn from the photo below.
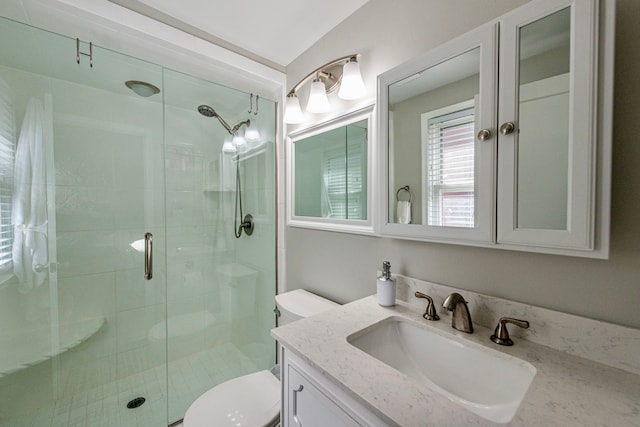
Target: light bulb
(239, 142)
(251, 133)
(227, 146)
(318, 101)
(292, 111)
(352, 86)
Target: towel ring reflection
(405, 188)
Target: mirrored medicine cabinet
(502, 137)
(329, 174)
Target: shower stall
(97, 151)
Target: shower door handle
(148, 256)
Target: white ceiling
(271, 32)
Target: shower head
(207, 111)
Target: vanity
(583, 372)
(500, 138)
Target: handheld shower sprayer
(208, 111)
(246, 221)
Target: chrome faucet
(461, 319)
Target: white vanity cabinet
(503, 135)
(310, 400)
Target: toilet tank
(298, 304)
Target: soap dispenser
(386, 287)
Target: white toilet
(254, 399)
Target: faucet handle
(430, 312)
(501, 335)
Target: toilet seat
(251, 400)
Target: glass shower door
(220, 289)
(83, 334)
(84, 339)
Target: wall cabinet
(310, 400)
(503, 135)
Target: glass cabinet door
(546, 120)
(438, 127)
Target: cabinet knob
(484, 134)
(507, 128)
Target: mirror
(432, 144)
(543, 112)
(329, 175)
(496, 138)
(438, 175)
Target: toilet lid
(251, 400)
(299, 304)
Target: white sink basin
(486, 382)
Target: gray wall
(343, 267)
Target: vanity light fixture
(318, 102)
(343, 72)
(352, 86)
(251, 133)
(239, 142)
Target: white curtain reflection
(29, 216)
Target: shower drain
(134, 403)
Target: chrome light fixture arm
(330, 74)
(343, 73)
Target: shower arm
(224, 124)
(238, 125)
(232, 130)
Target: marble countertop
(567, 390)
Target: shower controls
(246, 225)
(148, 256)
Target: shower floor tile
(105, 405)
